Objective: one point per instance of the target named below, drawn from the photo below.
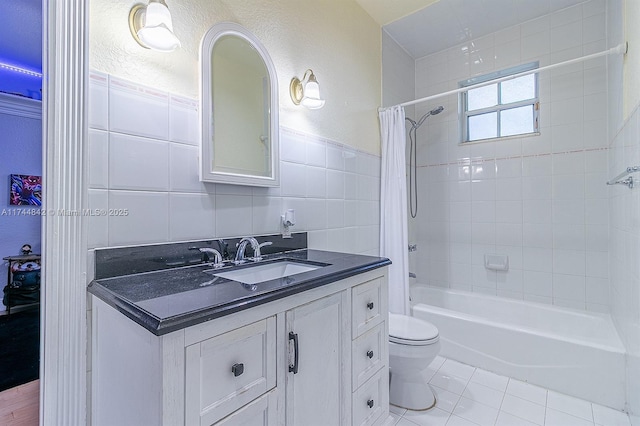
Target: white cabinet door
(225, 372)
(318, 384)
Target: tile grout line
(504, 395)
(546, 401)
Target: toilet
(413, 344)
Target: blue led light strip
(20, 70)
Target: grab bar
(628, 181)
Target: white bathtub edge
(588, 370)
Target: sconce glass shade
(152, 28)
(307, 91)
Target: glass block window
(508, 108)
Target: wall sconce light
(306, 92)
(151, 26)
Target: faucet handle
(257, 255)
(217, 257)
(223, 246)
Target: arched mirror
(238, 109)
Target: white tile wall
(98, 159)
(137, 163)
(143, 157)
(99, 95)
(183, 120)
(623, 223)
(188, 209)
(146, 219)
(138, 110)
(624, 235)
(539, 199)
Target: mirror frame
(207, 174)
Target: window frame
(534, 102)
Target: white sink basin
(270, 271)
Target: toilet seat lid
(408, 330)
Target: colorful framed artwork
(26, 190)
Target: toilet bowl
(413, 344)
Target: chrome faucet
(217, 257)
(242, 246)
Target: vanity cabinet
(317, 380)
(318, 357)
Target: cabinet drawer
(261, 412)
(371, 400)
(225, 372)
(369, 354)
(366, 309)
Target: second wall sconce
(151, 26)
(306, 92)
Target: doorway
(20, 209)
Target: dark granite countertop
(171, 299)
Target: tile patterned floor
(469, 396)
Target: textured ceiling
(386, 11)
(422, 27)
(447, 23)
(21, 33)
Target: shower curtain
(394, 239)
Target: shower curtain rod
(621, 48)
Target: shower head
(436, 111)
(415, 125)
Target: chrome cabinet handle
(293, 368)
(370, 354)
(370, 305)
(370, 403)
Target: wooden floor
(19, 406)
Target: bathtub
(573, 352)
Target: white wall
(398, 86)
(148, 164)
(540, 199)
(629, 24)
(624, 227)
(21, 154)
(144, 130)
(625, 251)
(398, 72)
(336, 38)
